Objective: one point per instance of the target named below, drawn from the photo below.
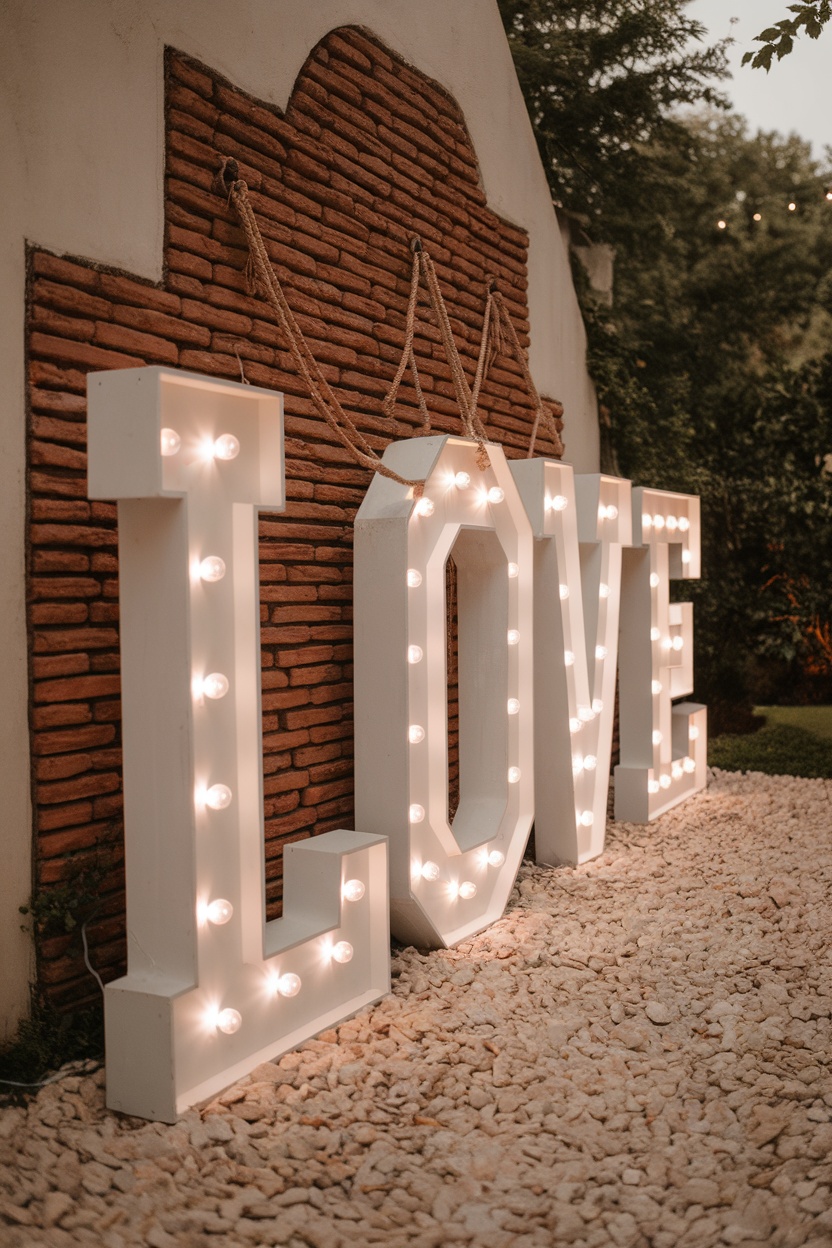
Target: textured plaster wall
(81, 128)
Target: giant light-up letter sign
(580, 525)
(663, 746)
(447, 880)
(212, 988)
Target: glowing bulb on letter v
(211, 987)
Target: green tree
(602, 79)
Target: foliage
(47, 1040)
(778, 40)
(62, 908)
(814, 719)
(601, 79)
(776, 750)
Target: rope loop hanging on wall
(498, 336)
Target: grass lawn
(795, 741)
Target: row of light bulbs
(288, 984)
(226, 446)
(722, 224)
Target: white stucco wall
(81, 132)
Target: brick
(147, 346)
(58, 613)
(87, 736)
(83, 353)
(61, 640)
(76, 688)
(63, 817)
(186, 72)
(190, 265)
(162, 325)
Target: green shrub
(777, 750)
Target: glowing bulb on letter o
(342, 952)
(229, 1021)
(289, 985)
(467, 890)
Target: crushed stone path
(639, 1054)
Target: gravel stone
(637, 1054)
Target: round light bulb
(667, 643)
(586, 713)
(656, 686)
(563, 590)
(657, 737)
(721, 225)
(414, 654)
(559, 503)
(655, 634)
(467, 890)
(664, 781)
(219, 911)
(677, 642)
(688, 765)
(597, 705)
(226, 446)
(416, 813)
(215, 685)
(513, 637)
(672, 524)
(496, 858)
(430, 871)
(342, 952)
(587, 818)
(513, 775)
(612, 511)
(424, 507)
(693, 733)
(658, 522)
(684, 524)
(758, 216)
(289, 985)
(229, 1021)
(577, 764)
(462, 480)
(171, 442)
(353, 890)
(569, 658)
(654, 580)
(513, 571)
(590, 762)
(604, 590)
(676, 771)
(600, 652)
(652, 786)
(513, 706)
(685, 556)
(212, 568)
(792, 206)
(415, 734)
(646, 520)
(218, 797)
(414, 578)
(575, 725)
(495, 494)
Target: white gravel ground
(638, 1054)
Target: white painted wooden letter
(580, 525)
(211, 988)
(448, 880)
(663, 744)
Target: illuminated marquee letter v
(211, 988)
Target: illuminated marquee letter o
(448, 879)
(211, 988)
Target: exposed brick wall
(369, 153)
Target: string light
(342, 952)
(226, 447)
(214, 686)
(212, 568)
(353, 890)
(229, 1021)
(219, 912)
(171, 442)
(721, 225)
(218, 797)
(758, 216)
(288, 985)
(792, 206)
